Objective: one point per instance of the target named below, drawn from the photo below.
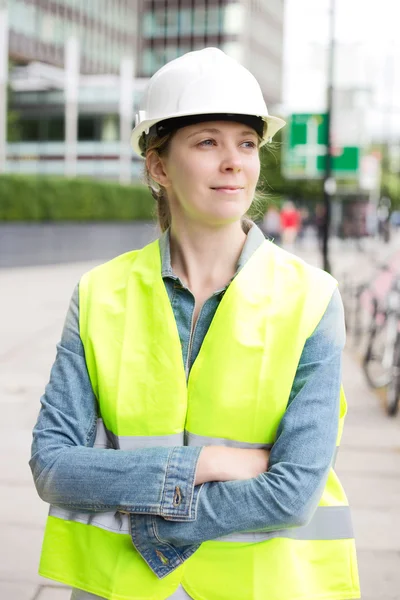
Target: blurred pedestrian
(383, 214)
(305, 224)
(371, 220)
(187, 434)
(290, 224)
(395, 219)
(271, 224)
(320, 217)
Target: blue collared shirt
(71, 474)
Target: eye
(250, 144)
(205, 142)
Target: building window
(173, 22)
(147, 25)
(200, 20)
(55, 129)
(41, 129)
(47, 27)
(23, 18)
(147, 62)
(30, 130)
(171, 52)
(86, 129)
(158, 58)
(185, 21)
(214, 17)
(154, 24)
(59, 31)
(110, 128)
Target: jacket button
(162, 558)
(177, 496)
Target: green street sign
(304, 154)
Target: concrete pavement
(33, 303)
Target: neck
(204, 257)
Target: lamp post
(329, 180)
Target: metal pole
(206, 9)
(329, 181)
(384, 201)
(165, 31)
(71, 105)
(179, 27)
(192, 22)
(125, 118)
(3, 83)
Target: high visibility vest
(236, 394)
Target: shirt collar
(254, 239)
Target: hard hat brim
(274, 124)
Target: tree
(277, 186)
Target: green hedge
(37, 198)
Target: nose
(231, 161)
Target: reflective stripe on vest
(327, 523)
(106, 439)
(192, 439)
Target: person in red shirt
(290, 223)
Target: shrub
(40, 198)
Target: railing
(99, 159)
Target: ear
(156, 167)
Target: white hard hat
(204, 82)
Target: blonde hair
(160, 145)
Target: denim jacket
(71, 474)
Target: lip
(229, 189)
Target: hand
(218, 463)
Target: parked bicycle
(381, 361)
(357, 294)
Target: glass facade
(43, 128)
(154, 31)
(250, 31)
(106, 29)
(171, 29)
(264, 47)
(173, 22)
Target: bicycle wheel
(393, 390)
(378, 359)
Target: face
(211, 171)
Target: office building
(249, 30)
(152, 32)
(39, 29)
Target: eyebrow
(209, 130)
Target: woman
(290, 224)
(187, 434)
(271, 224)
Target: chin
(228, 210)
(223, 218)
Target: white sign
(370, 172)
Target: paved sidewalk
(33, 304)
